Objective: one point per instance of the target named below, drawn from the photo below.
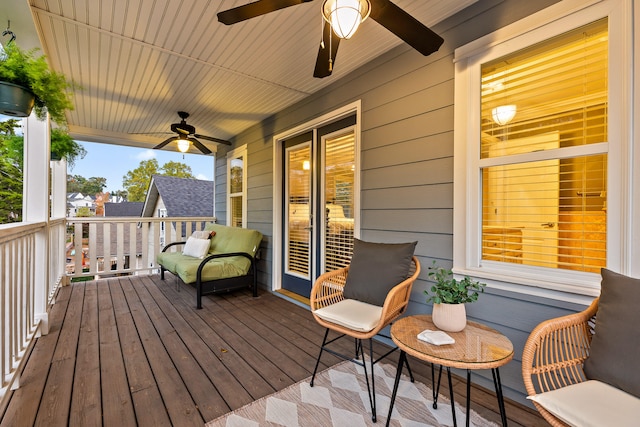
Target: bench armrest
(216, 256)
(172, 244)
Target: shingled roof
(123, 209)
(182, 197)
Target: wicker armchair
(328, 290)
(554, 354)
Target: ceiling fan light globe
(183, 145)
(345, 16)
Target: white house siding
(406, 167)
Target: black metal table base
(436, 390)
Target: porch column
(35, 202)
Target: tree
(137, 181)
(84, 212)
(80, 184)
(12, 165)
(177, 169)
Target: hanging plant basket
(15, 100)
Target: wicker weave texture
(555, 352)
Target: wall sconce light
(183, 145)
(503, 114)
(345, 16)
(306, 165)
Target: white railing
(36, 257)
(30, 274)
(98, 246)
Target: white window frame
(240, 152)
(560, 18)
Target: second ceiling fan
(384, 12)
(187, 135)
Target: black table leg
(401, 362)
(453, 404)
(468, 396)
(498, 385)
(435, 390)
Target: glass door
(319, 203)
(298, 215)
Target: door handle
(548, 225)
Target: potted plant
(26, 82)
(449, 297)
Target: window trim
(564, 285)
(236, 153)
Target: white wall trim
(278, 170)
(624, 208)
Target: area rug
(339, 398)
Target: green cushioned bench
(230, 263)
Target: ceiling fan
(384, 12)
(185, 138)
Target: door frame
(278, 175)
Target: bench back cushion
(233, 239)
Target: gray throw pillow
(613, 357)
(376, 268)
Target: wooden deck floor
(134, 351)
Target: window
(534, 169)
(237, 187)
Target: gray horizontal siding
(406, 167)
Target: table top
(477, 346)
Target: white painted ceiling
(138, 62)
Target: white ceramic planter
(449, 317)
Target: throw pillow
(376, 268)
(200, 234)
(614, 348)
(196, 248)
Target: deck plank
(147, 401)
(86, 406)
(162, 362)
(54, 407)
(23, 408)
(116, 401)
(181, 408)
(244, 375)
(209, 402)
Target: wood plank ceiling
(138, 62)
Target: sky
(114, 161)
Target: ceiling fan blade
(199, 146)
(405, 26)
(323, 67)
(210, 138)
(257, 8)
(165, 142)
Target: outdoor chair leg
(324, 341)
(372, 391)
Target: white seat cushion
(591, 403)
(352, 314)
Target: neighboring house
(79, 200)
(123, 209)
(109, 261)
(177, 197)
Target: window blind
(543, 153)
